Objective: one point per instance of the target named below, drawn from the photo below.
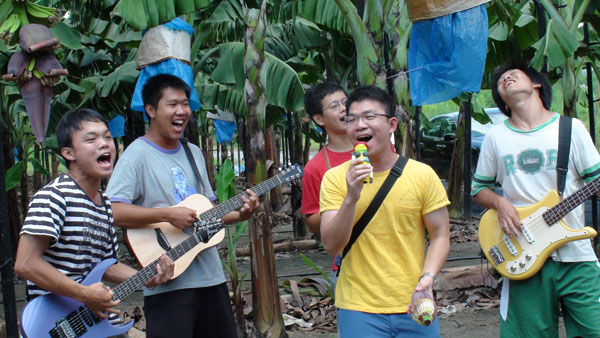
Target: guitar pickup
(496, 255)
(509, 245)
(528, 236)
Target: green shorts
(534, 304)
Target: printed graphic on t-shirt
(530, 161)
(182, 189)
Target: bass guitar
(147, 243)
(58, 316)
(543, 232)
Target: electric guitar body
(543, 232)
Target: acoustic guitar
(149, 242)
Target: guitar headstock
(292, 173)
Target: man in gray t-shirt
(154, 174)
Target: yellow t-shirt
(382, 269)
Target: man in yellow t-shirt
(387, 263)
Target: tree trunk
(55, 164)
(37, 176)
(268, 319)
(135, 127)
(396, 49)
(12, 198)
(191, 131)
(306, 147)
(24, 185)
(273, 170)
(210, 161)
(569, 88)
(224, 152)
(455, 179)
(297, 152)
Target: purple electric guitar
(57, 316)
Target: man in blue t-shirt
(154, 174)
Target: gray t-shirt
(149, 176)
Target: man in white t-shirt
(521, 156)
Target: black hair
(375, 94)
(70, 123)
(153, 88)
(535, 76)
(316, 93)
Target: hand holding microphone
(360, 151)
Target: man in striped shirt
(69, 224)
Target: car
(437, 137)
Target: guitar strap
(564, 148)
(190, 157)
(366, 217)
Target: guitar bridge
(71, 326)
(496, 255)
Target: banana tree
(268, 319)
(559, 44)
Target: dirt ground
(468, 322)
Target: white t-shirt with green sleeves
(524, 164)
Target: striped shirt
(82, 232)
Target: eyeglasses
(368, 117)
(336, 105)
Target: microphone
(360, 151)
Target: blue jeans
(361, 324)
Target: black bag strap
(358, 228)
(188, 153)
(564, 148)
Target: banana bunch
(43, 12)
(20, 13)
(10, 26)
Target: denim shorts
(362, 324)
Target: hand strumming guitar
(181, 217)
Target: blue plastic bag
(446, 55)
(117, 126)
(225, 130)
(168, 66)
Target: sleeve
(332, 192)
(123, 185)
(487, 168)
(46, 214)
(584, 153)
(435, 196)
(311, 186)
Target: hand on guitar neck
(249, 206)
